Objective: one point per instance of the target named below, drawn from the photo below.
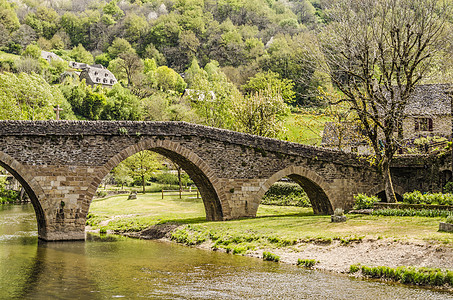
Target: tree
(142, 164)
(270, 80)
(121, 175)
(8, 17)
(261, 113)
(27, 97)
(79, 54)
(376, 52)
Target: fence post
(197, 194)
(162, 193)
(180, 193)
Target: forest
(234, 64)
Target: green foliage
(261, 114)
(307, 263)
(363, 201)
(286, 194)
(32, 51)
(448, 188)
(411, 212)
(85, 101)
(121, 105)
(189, 235)
(416, 197)
(79, 54)
(8, 17)
(20, 102)
(119, 46)
(272, 83)
(407, 275)
(270, 256)
(450, 218)
(166, 79)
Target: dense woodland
(244, 63)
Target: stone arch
(31, 186)
(313, 184)
(379, 191)
(203, 176)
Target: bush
(416, 197)
(270, 257)
(307, 263)
(362, 201)
(411, 212)
(450, 219)
(448, 188)
(286, 194)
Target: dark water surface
(117, 267)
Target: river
(119, 267)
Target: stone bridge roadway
(61, 164)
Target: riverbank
(291, 233)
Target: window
(106, 74)
(423, 124)
(98, 79)
(95, 73)
(105, 80)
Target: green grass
(304, 129)
(274, 226)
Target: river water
(118, 267)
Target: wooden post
(197, 194)
(162, 193)
(180, 193)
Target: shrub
(307, 263)
(450, 219)
(286, 194)
(416, 197)
(448, 188)
(411, 212)
(362, 201)
(270, 257)
(354, 268)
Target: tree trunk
(179, 178)
(389, 191)
(143, 183)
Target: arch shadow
(33, 189)
(316, 188)
(379, 191)
(202, 175)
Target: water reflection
(111, 266)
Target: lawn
(304, 128)
(286, 223)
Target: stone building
(49, 56)
(95, 75)
(427, 114)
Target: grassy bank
(283, 225)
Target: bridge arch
(31, 186)
(379, 191)
(314, 185)
(203, 176)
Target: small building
(427, 114)
(49, 56)
(77, 65)
(95, 75)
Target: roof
(99, 75)
(430, 99)
(49, 56)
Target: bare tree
(376, 52)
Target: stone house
(428, 114)
(96, 75)
(49, 56)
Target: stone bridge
(62, 163)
